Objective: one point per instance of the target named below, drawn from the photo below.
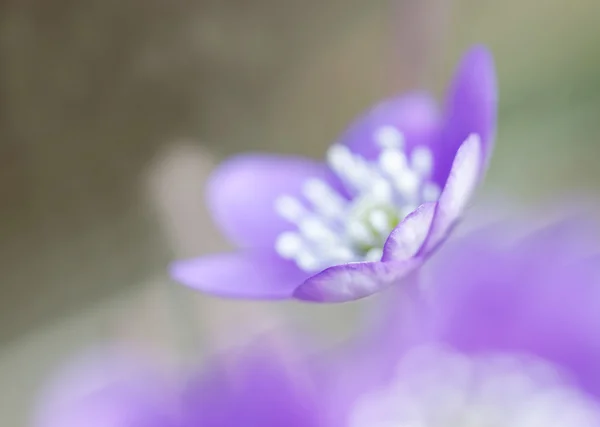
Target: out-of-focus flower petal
(348, 282)
(408, 237)
(242, 192)
(269, 383)
(262, 386)
(107, 390)
(415, 116)
(529, 297)
(252, 274)
(460, 186)
(471, 105)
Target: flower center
(436, 388)
(332, 228)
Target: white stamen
(408, 185)
(421, 160)
(392, 162)
(289, 208)
(389, 137)
(288, 244)
(342, 253)
(324, 198)
(379, 221)
(374, 254)
(339, 158)
(382, 190)
(359, 232)
(360, 175)
(395, 166)
(353, 171)
(332, 229)
(430, 192)
(316, 230)
(307, 261)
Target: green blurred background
(112, 113)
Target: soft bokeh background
(113, 113)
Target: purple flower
(257, 387)
(502, 332)
(391, 190)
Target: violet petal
(415, 115)
(512, 300)
(471, 104)
(460, 186)
(252, 274)
(242, 191)
(262, 386)
(105, 390)
(348, 282)
(407, 238)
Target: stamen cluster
(352, 225)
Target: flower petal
(471, 105)
(460, 186)
(253, 274)
(107, 390)
(407, 238)
(265, 384)
(522, 299)
(414, 115)
(348, 282)
(242, 191)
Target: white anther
(430, 192)
(332, 229)
(342, 254)
(324, 198)
(392, 162)
(354, 171)
(382, 190)
(421, 160)
(374, 254)
(380, 221)
(315, 188)
(288, 244)
(312, 228)
(339, 158)
(307, 261)
(359, 232)
(408, 185)
(360, 176)
(289, 208)
(389, 137)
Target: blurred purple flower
(390, 192)
(258, 387)
(502, 332)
